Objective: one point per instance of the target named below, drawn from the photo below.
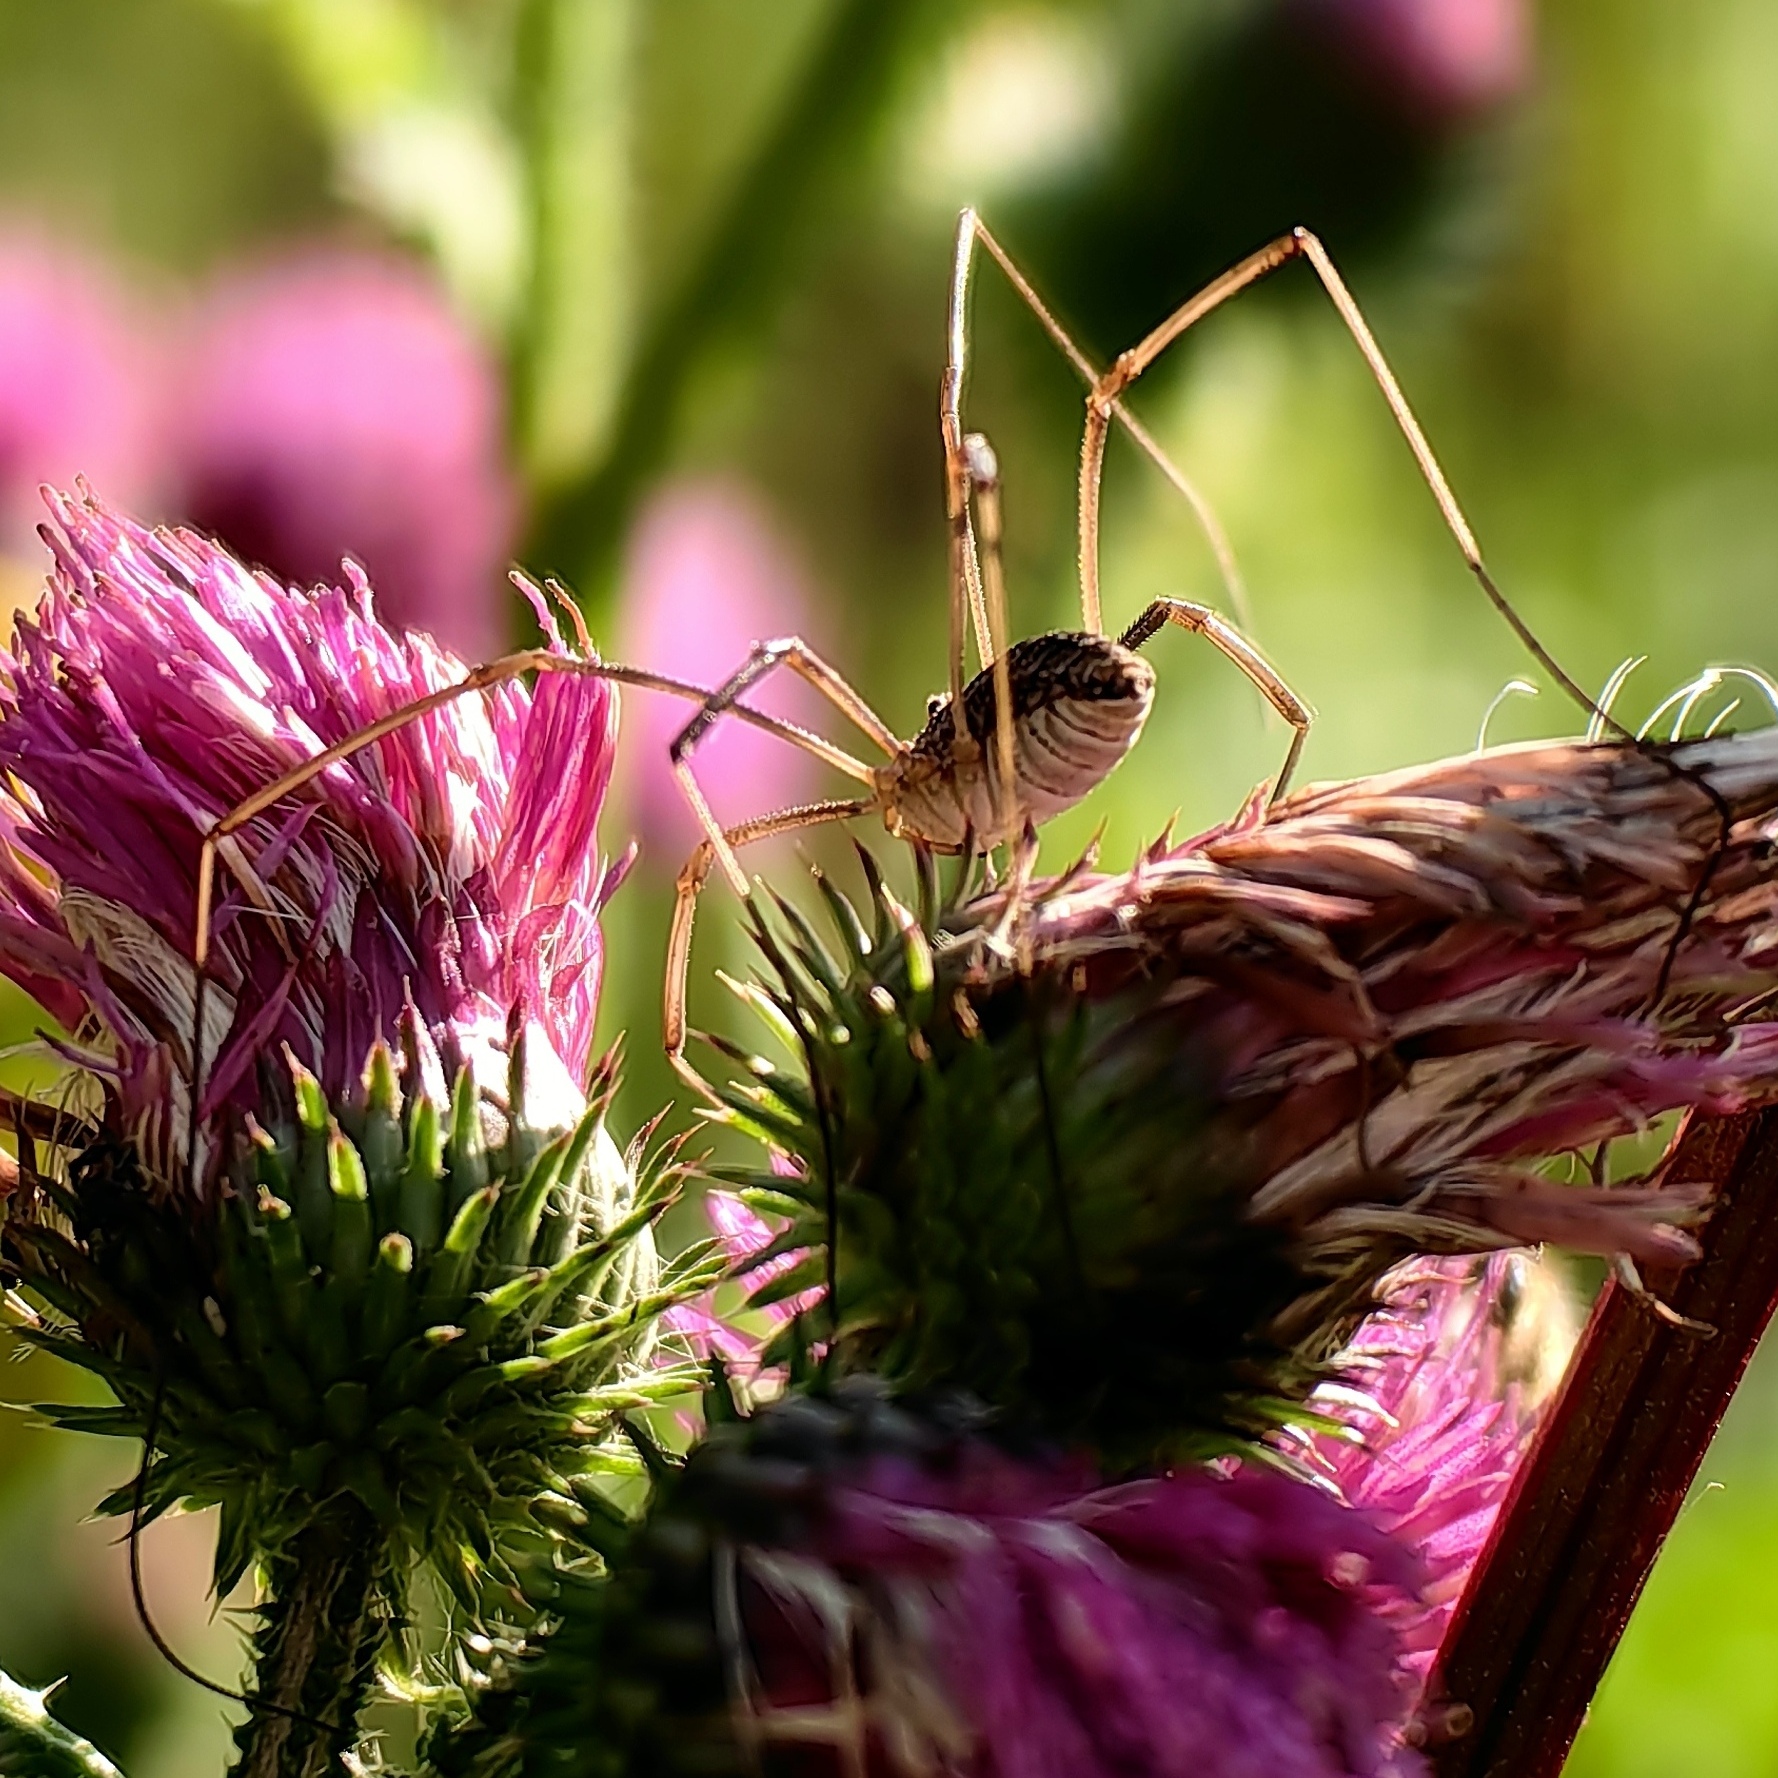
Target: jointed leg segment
(1202, 621)
(766, 658)
(971, 229)
(482, 678)
(984, 481)
(219, 840)
(690, 885)
(1103, 403)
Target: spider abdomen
(1078, 705)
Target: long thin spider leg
(966, 574)
(984, 478)
(1202, 621)
(218, 841)
(1298, 244)
(685, 905)
(766, 658)
(479, 679)
(974, 229)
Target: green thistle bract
(377, 1319)
(1120, 1307)
(1126, 1156)
(425, 1315)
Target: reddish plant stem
(1602, 1485)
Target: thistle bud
(1127, 1156)
(846, 1585)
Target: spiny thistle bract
(842, 1583)
(388, 1308)
(374, 1319)
(1017, 1215)
(398, 1342)
(1127, 1157)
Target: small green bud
(381, 1145)
(420, 1213)
(352, 1233)
(388, 1296)
(314, 1195)
(466, 1159)
(288, 1262)
(452, 1265)
(522, 1212)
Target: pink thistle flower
(1446, 60)
(706, 579)
(447, 877)
(1501, 923)
(332, 405)
(76, 380)
(907, 1597)
(1438, 1416)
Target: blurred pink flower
(1445, 60)
(76, 379)
(332, 405)
(908, 1596)
(741, 1233)
(707, 577)
(1437, 1425)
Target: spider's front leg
(763, 659)
(690, 885)
(1222, 635)
(719, 843)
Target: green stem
(571, 337)
(578, 528)
(34, 1745)
(315, 1652)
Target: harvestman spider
(1060, 709)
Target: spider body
(1044, 722)
(1078, 705)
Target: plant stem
(316, 1651)
(34, 1745)
(578, 528)
(1605, 1480)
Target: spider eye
(936, 703)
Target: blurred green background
(695, 254)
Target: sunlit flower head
(1220, 1625)
(451, 869)
(865, 1586)
(1441, 1392)
(332, 405)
